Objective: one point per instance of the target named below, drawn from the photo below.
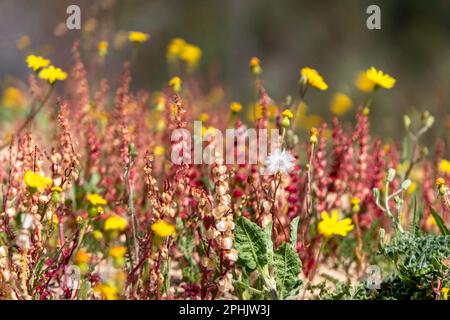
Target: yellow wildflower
(444, 166)
(79, 220)
(379, 78)
(160, 125)
(81, 257)
(204, 117)
(313, 78)
(330, 226)
(51, 74)
(36, 62)
(340, 104)
(175, 84)
(440, 182)
(96, 199)
(286, 120)
(55, 219)
(235, 107)
(430, 222)
(159, 151)
(288, 114)
(117, 251)
(255, 66)
(363, 83)
(98, 235)
(256, 110)
(107, 291)
(444, 292)
(355, 201)
(163, 229)
(115, 223)
(160, 103)
(56, 189)
(191, 55)
(412, 187)
(13, 98)
(313, 135)
(138, 37)
(174, 49)
(208, 131)
(36, 181)
(102, 48)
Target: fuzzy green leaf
(439, 222)
(293, 234)
(269, 242)
(287, 268)
(251, 243)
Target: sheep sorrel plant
(111, 191)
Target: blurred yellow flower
(208, 131)
(430, 222)
(313, 135)
(330, 226)
(102, 48)
(363, 83)
(160, 125)
(444, 166)
(52, 74)
(379, 78)
(36, 181)
(36, 62)
(179, 49)
(138, 37)
(191, 55)
(107, 291)
(257, 110)
(98, 235)
(255, 66)
(163, 229)
(444, 292)
(54, 220)
(235, 107)
(412, 188)
(56, 189)
(340, 104)
(313, 78)
(160, 103)
(288, 114)
(117, 251)
(175, 84)
(81, 257)
(204, 117)
(79, 220)
(115, 223)
(308, 121)
(13, 98)
(174, 49)
(159, 151)
(95, 199)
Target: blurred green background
(413, 46)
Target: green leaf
(439, 222)
(246, 292)
(268, 231)
(287, 268)
(251, 243)
(294, 228)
